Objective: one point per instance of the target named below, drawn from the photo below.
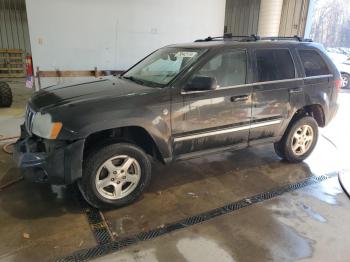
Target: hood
(67, 94)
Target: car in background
(344, 69)
(342, 61)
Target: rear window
(313, 63)
(274, 64)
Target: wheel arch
(131, 134)
(314, 110)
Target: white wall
(114, 34)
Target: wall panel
(242, 16)
(293, 18)
(14, 32)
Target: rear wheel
(299, 140)
(115, 175)
(5, 95)
(346, 80)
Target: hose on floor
(8, 151)
(7, 146)
(10, 183)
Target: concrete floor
(308, 224)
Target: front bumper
(42, 160)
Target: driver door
(214, 119)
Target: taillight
(338, 84)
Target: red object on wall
(29, 66)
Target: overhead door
(293, 18)
(242, 17)
(14, 38)
(14, 32)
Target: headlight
(44, 127)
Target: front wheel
(299, 140)
(115, 175)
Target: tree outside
(331, 23)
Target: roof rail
(230, 37)
(251, 38)
(210, 38)
(297, 38)
(245, 38)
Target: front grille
(29, 119)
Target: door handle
(239, 98)
(295, 90)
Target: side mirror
(201, 83)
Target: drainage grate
(97, 223)
(110, 246)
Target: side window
(274, 64)
(313, 63)
(228, 68)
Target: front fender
(158, 129)
(149, 111)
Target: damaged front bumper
(52, 161)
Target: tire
(284, 148)
(346, 80)
(278, 150)
(115, 189)
(5, 95)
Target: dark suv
(181, 101)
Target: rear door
(209, 120)
(275, 93)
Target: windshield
(162, 66)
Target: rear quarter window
(313, 63)
(274, 64)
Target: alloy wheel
(302, 140)
(117, 177)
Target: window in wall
(229, 69)
(274, 64)
(313, 63)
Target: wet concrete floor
(37, 222)
(305, 225)
(190, 187)
(43, 223)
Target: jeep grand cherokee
(181, 101)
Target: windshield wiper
(136, 80)
(143, 82)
